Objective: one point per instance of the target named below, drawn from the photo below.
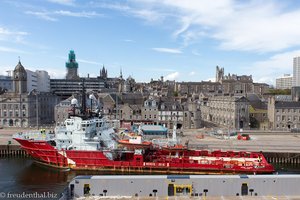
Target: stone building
(189, 88)
(170, 112)
(227, 111)
(6, 83)
(149, 110)
(21, 108)
(258, 111)
(192, 115)
(166, 112)
(130, 113)
(239, 84)
(283, 115)
(103, 73)
(61, 111)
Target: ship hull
(46, 154)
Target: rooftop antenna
(83, 103)
(121, 75)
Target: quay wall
(12, 151)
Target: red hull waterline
(154, 161)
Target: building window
(24, 114)
(17, 114)
(4, 114)
(10, 113)
(24, 106)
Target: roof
(256, 102)
(283, 97)
(19, 67)
(153, 128)
(287, 104)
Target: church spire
(121, 75)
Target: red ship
(88, 143)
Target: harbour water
(22, 175)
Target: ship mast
(83, 100)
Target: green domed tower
(72, 66)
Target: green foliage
(253, 122)
(175, 94)
(280, 91)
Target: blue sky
(181, 40)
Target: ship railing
(32, 135)
(198, 146)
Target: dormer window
(153, 103)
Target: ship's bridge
(88, 125)
(73, 124)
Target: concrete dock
(260, 141)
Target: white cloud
(9, 35)
(52, 15)
(172, 76)
(42, 15)
(56, 73)
(88, 62)
(128, 40)
(192, 73)
(196, 53)
(11, 50)
(275, 66)
(259, 26)
(77, 14)
(167, 50)
(157, 69)
(6, 70)
(63, 2)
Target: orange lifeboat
(175, 148)
(135, 142)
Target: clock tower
(20, 79)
